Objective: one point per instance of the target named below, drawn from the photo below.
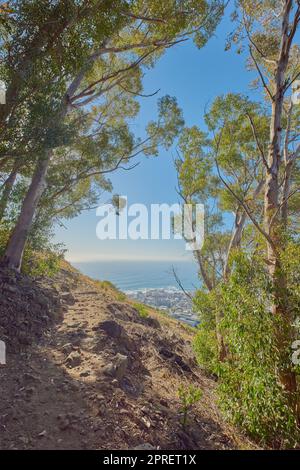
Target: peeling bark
(272, 218)
(207, 281)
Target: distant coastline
(134, 275)
(150, 282)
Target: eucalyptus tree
(269, 29)
(226, 156)
(240, 136)
(78, 175)
(198, 184)
(68, 54)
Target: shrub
(37, 264)
(143, 312)
(206, 350)
(250, 393)
(121, 296)
(188, 397)
(38, 260)
(205, 341)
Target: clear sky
(195, 77)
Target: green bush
(38, 259)
(121, 297)
(188, 396)
(249, 391)
(205, 341)
(143, 312)
(205, 347)
(37, 264)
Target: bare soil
(94, 374)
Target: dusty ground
(105, 378)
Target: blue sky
(195, 77)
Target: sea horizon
(131, 275)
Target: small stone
(67, 348)
(42, 300)
(85, 373)
(100, 397)
(153, 322)
(64, 422)
(73, 359)
(9, 288)
(146, 423)
(24, 440)
(30, 378)
(145, 446)
(164, 402)
(111, 327)
(68, 298)
(109, 369)
(117, 368)
(102, 410)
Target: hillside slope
(97, 374)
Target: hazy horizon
(131, 275)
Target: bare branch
(261, 75)
(89, 90)
(257, 140)
(297, 190)
(135, 93)
(293, 30)
(270, 61)
(291, 81)
(148, 19)
(246, 208)
(178, 281)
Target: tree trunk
(15, 248)
(222, 349)
(16, 244)
(7, 189)
(271, 200)
(272, 219)
(235, 241)
(236, 238)
(207, 281)
(210, 285)
(285, 193)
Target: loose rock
(73, 359)
(118, 367)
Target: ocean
(133, 275)
(151, 282)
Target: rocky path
(106, 378)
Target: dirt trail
(106, 378)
